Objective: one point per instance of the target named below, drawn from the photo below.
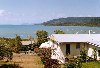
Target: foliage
(8, 46)
(5, 51)
(59, 32)
(12, 43)
(95, 53)
(74, 21)
(70, 65)
(24, 48)
(41, 37)
(76, 63)
(52, 63)
(37, 50)
(17, 43)
(10, 66)
(83, 55)
(33, 46)
(45, 55)
(89, 59)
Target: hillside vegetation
(74, 21)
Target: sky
(37, 11)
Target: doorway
(67, 49)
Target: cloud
(9, 17)
(2, 12)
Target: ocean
(10, 31)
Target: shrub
(76, 63)
(45, 55)
(70, 65)
(36, 50)
(51, 63)
(95, 54)
(24, 48)
(83, 55)
(5, 53)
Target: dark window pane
(77, 45)
(98, 52)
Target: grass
(3, 62)
(28, 61)
(95, 64)
(24, 61)
(10, 64)
(34, 61)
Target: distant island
(74, 21)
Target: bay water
(10, 31)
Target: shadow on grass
(10, 66)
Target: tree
(5, 50)
(41, 37)
(17, 43)
(59, 32)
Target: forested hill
(74, 21)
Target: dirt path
(27, 60)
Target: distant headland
(74, 21)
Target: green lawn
(91, 65)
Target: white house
(64, 44)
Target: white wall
(73, 50)
(57, 53)
(90, 51)
(76, 52)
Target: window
(84, 44)
(77, 45)
(98, 52)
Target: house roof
(95, 43)
(27, 42)
(89, 38)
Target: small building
(72, 44)
(27, 42)
(26, 46)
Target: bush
(76, 63)
(70, 65)
(24, 48)
(45, 55)
(5, 53)
(95, 54)
(89, 59)
(36, 50)
(51, 63)
(83, 55)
